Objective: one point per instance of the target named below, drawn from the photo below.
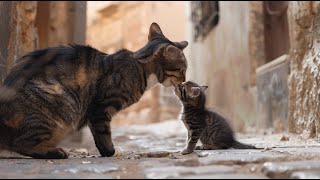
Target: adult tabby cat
(210, 127)
(57, 90)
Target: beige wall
(222, 62)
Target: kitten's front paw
(186, 151)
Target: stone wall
(18, 33)
(28, 25)
(304, 107)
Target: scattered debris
(49, 161)
(284, 138)
(202, 154)
(266, 149)
(80, 151)
(86, 162)
(158, 154)
(172, 156)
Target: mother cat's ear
(154, 31)
(181, 45)
(171, 52)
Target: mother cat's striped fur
(57, 90)
(210, 127)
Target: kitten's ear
(195, 91)
(171, 52)
(181, 45)
(154, 30)
(204, 88)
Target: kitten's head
(191, 94)
(163, 56)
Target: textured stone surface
(238, 157)
(224, 176)
(284, 170)
(306, 175)
(23, 35)
(180, 171)
(304, 108)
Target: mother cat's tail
(239, 145)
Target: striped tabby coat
(55, 91)
(210, 127)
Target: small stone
(86, 162)
(137, 156)
(172, 156)
(283, 170)
(158, 154)
(203, 154)
(306, 175)
(253, 169)
(284, 138)
(266, 149)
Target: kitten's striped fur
(55, 91)
(210, 127)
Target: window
(204, 16)
(276, 30)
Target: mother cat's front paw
(106, 151)
(186, 151)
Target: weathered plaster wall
(23, 35)
(304, 87)
(222, 61)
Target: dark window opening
(276, 31)
(42, 23)
(204, 16)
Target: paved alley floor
(152, 151)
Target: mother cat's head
(163, 58)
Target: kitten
(52, 92)
(210, 127)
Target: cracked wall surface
(304, 87)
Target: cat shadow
(13, 157)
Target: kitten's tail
(239, 145)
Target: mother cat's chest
(121, 89)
